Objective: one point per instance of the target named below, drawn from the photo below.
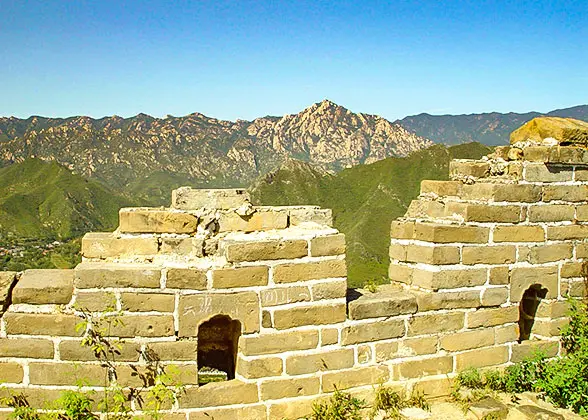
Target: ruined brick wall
(261, 292)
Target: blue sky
(245, 59)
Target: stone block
(329, 336)
(402, 229)
(11, 372)
(145, 220)
(383, 303)
(219, 393)
(284, 295)
(448, 300)
(494, 296)
(265, 250)
(581, 213)
(108, 245)
(327, 245)
(423, 209)
(278, 342)
(499, 275)
(367, 332)
(424, 367)
(581, 249)
(42, 324)
(522, 278)
(444, 233)
(259, 368)
(310, 214)
(186, 198)
(416, 346)
(581, 174)
(467, 340)
(490, 356)
(449, 279)
(436, 255)
(387, 350)
(182, 246)
(290, 273)
(35, 348)
(574, 269)
(569, 193)
(528, 348)
(73, 350)
(332, 289)
(435, 388)
(539, 172)
(484, 213)
(435, 323)
(400, 273)
(309, 315)
(441, 188)
(520, 233)
(397, 251)
(247, 412)
(506, 333)
(567, 232)
(7, 279)
(39, 287)
(474, 168)
(186, 278)
(300, 364)
(100, 275)
(537, 153)
(520, 193)
(499, 254)
(146, 302)
(545, 253)
(356, 377)
(275, 389)
(66, 374)
(195, 309)
(295, 408)
(553, 309)
(240, 277)
(549, 328)
(551, 213)
(492, 317)
(364, 354)
(258, 221)
(144, 326)
(95, 301)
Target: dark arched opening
(528, 308)
(218, 339)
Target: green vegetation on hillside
(364, 199)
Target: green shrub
(470, 378)
(341, 406)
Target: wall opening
(528, 308)
(218, 340)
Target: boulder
(544, 130)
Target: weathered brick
(574, 269)
(182, 246)
(528, 348)
(506, 333)
(385, 302)
(351, 378)
(74, 350)
(66, 374)
(187, 198)
(475, 168)
(372, 331)
(576, 289)
(145, 302)
(258, 221)
(518, 233)
(294, 408)
(219, 394)
(265, 250)
(92, 275)
(491, 356)
(144, 326)
(441, 188)
(146, 220)
(364, 354)
(448, 300)
(39, 287)
(332, 289)
(419, 209)
(581, 213)
(499, 275)
(545, 253)
(290, 273)
(467, 340)
(435, 323)
(449, 279)
(515, 193)
(386, 351)
(494, 296)
(35, 348)
(278, 342)
(95, 301)
(492, 317)
(259, 368)
(11, 372)
(186, 278)
(539, 172)
(284, 295)
(581, 249)
(567, 232)
(484, 212)
(266, 319)
(195, 309)
(109, 245)
(553, 309)
(549, 328)
(247, 412)
(416, 346)
(537, 153)
(425, 367)
(329, 336)
(402, 229)
(436, 255)
(397, 252)
(569, 193)
(240, 277)
(400, 273)
(443, 233)
(300, 364)
(522, 278)
(551, 213)
(276, 389)
(435, 388)
(327, 245)
(42, 324)
(309, 315)
(499, 254)
(305, 214)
